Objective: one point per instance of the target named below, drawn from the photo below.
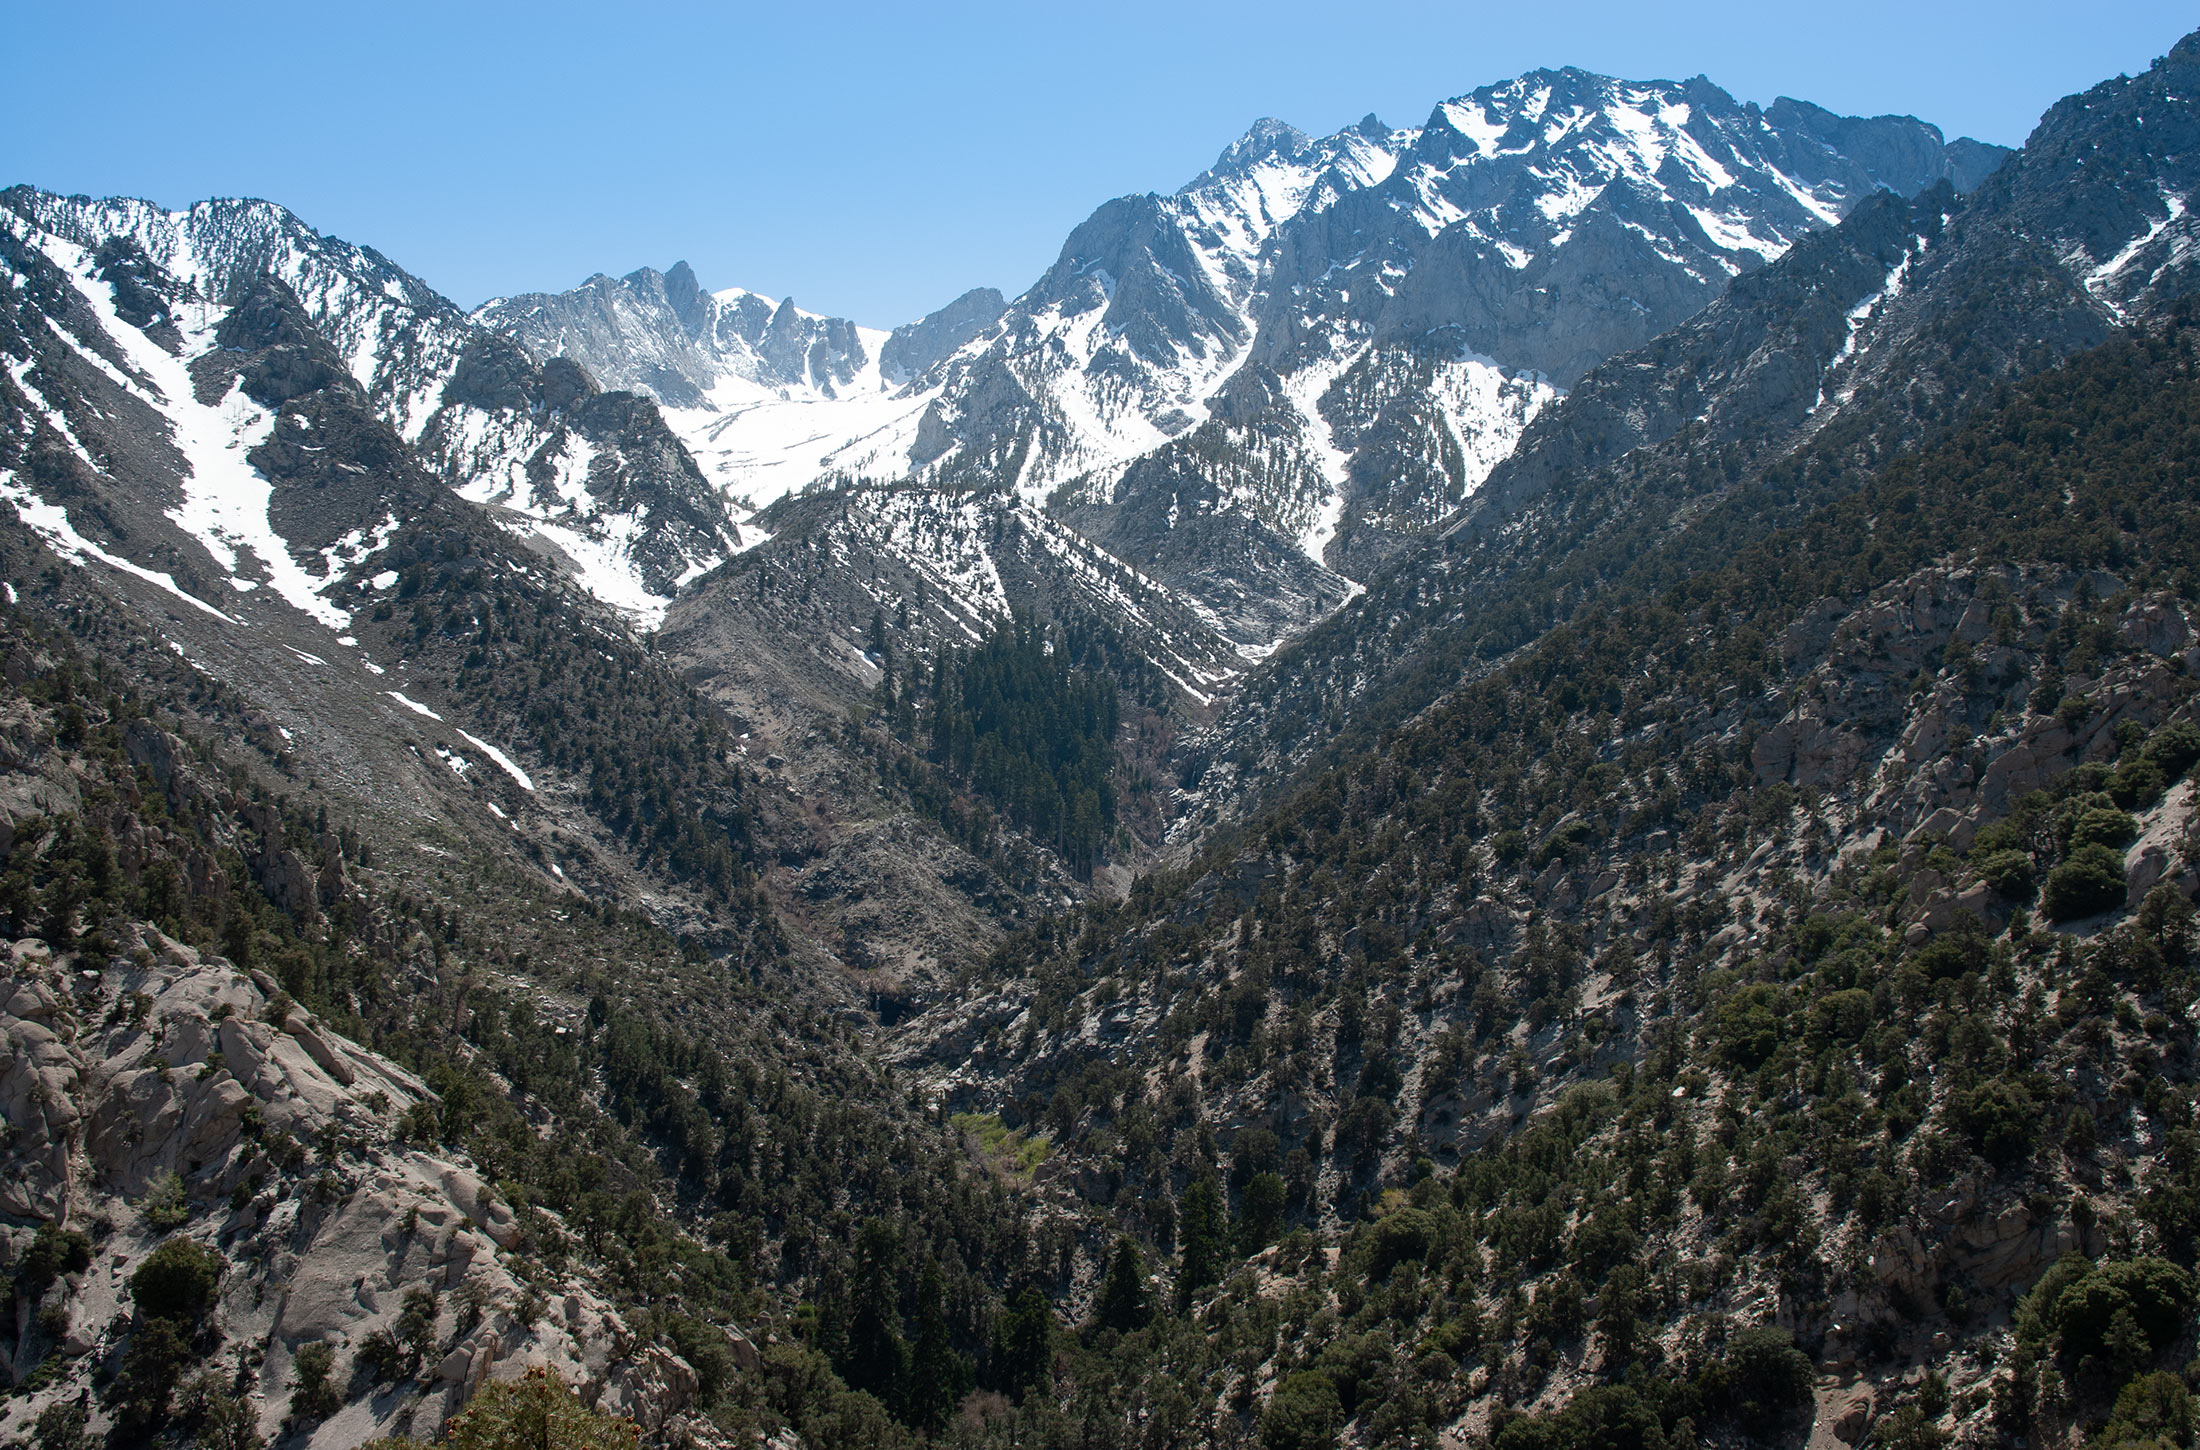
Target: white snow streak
(504, 762)
(51, 523)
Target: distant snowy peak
(767, 397)
(1267, 176)
(594, 476)
(1463, 272)
(1560, 217)
(1550, 143)
(661, 334)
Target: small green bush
(312, 1397)
(539, 1409)
(1768, 1378)
(1303, 1414)
(2137, 783)
(2090, 882)
(176, 1282)
(2154, 1412)
(2101, 826)
(1749, 1025)
(1399, 1236)
(1838, 1017)
(2154, 1294)
(1604, 1417)
(2008, 874)
(166, 1206)
(52, 1253)
(2174, 748)
(2000, 1118)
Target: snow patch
(504, 762)
(51, 523)
(225, 498)
(2098, 279)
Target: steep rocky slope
(431, 1110)
(595, 477)
(160, 1091)
(1808, 944)
(1805, 376)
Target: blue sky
(875, 160)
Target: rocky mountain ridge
(599, 481)
(1220, 319)
(1849, 350)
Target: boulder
(317, 1047)
(1852, 1415)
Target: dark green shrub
(1749, 1025)
(1838, 1017)
(1356, 1364)
(60, 1426)
(2091, 881)
(1361, 1130)
(2174, 748)
(1767, 1379)
(1399, 1236)
(52, 1253)
(1907, 1427)
(2154, 1412)
(1303, 1414)
(1459, 1336)
(2101, 826)
(1606, 1417)
(537, 1409)
(312, 1397)
(1954, 954)
(2154, 1294)
(166, 1204)
(2000, 1118)
(176, 1282)
(215, 1419)
(2137, 783)
(2008, 874)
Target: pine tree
(1205, 1231)
(939, 1374)
(1124, 1304)
(877, 1359)
(1023, 1342)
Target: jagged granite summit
(1282, 372)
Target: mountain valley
(1528, 782)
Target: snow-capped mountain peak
(1530, 228)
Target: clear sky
(873, 161)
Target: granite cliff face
(165, 1089)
